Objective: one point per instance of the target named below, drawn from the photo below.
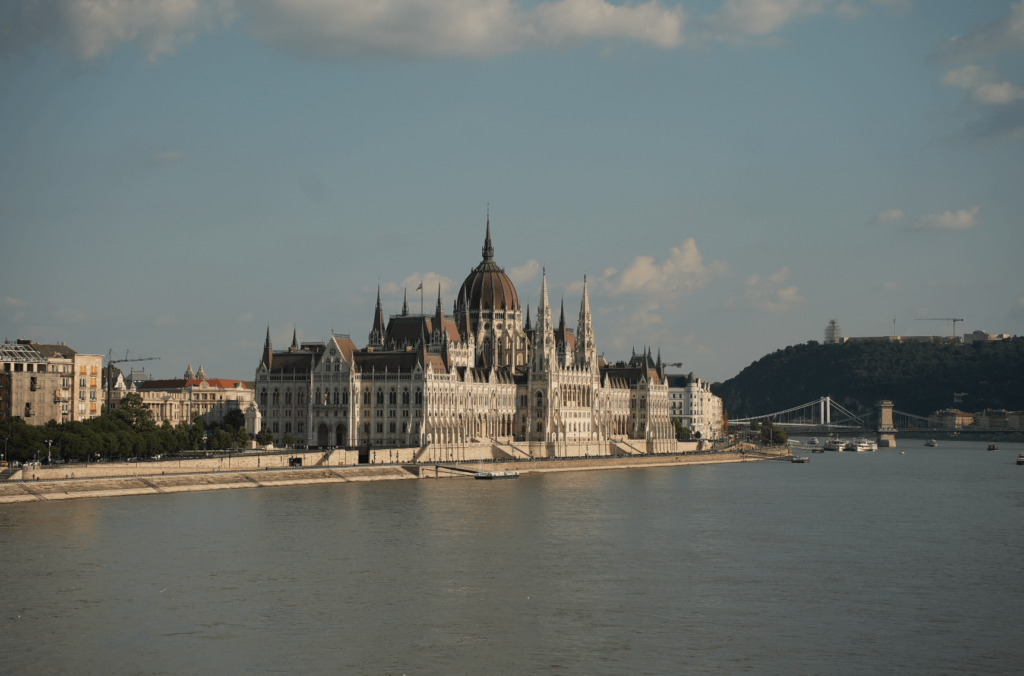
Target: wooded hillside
(919, 378)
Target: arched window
(277, 397)
(366, 397)
(380, 397)
(263, 398)
(405, 396)
(393, 397)
(301, 397)
(344, 396)
(287, 397)
(336, 396)
(540, 399)
(419, 396)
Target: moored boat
(932, 443)
(993, 447)
(860, 446)
(1020, 459)
(814, 441)
(834, 444)
(496, 475)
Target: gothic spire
(440, 308)
(189, 373)
(377, 333)
(586, 350)
(488, 250)
(295, 337)
(528, 326)
(405, 304)
(561, 318)
(266, 343)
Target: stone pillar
(886, 431)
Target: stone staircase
(511, 451)
(628, 448)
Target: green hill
(919, 378)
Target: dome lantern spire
(488, 250)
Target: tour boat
(993, 447)
(497, 475)
(834, 444)
(861, 446)
(814, 441)
(932, 443)
(1020, 459)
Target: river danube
(854, 563)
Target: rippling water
(852, 564)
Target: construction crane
(677, 364)
(110, 369)
(942, 319)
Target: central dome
(487, 287)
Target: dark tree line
(918, 377)
(128, 431)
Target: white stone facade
(692, 404)
(443, 382)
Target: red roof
(218, 383)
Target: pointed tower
(189, 373)
(268, 351)
(439, 317)
(586, 348)
(295, 338)
(405, 304)
(543, 336)
(528, 327)
(377, 333)
(561, 320)
(200, 374)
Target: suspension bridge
(824, 414)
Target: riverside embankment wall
(177, 482)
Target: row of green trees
(128, 431)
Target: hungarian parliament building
(431, 386)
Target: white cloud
(524, 273)
(166, 158)
(761, 17)
(964, 219)
(244, 319)
(344, 28)
(767, 293)
(462, 28)
(1017, 311)
(887, 216)
(890, 286)
(682, 271)
(982, 85)
(164, 321)
(1005, 34)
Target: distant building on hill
(981, 336)
(833, 334)
(951, 418)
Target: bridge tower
(886, 430)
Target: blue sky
(730, 175)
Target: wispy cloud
(164, 321)
(767, 293)
(525, 272)
(404, 29)
(887, 216)
(949, 221)
(167, 158)
(13, 309)
(1005, 34)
